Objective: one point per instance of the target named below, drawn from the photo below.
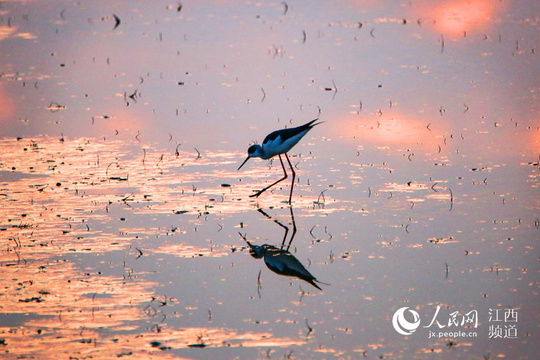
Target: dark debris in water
(198, 345)
(158, 345)
(36, 299)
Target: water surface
(127, 231)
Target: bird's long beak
(243, 163)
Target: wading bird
(280, 260)
(277, 143)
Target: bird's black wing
(288, 133)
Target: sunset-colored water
(126, 230)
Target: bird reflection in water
(280, 260)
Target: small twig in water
(127, 197)
(107, 170)
(311, 232)
(442, 43)
(160, 159)
(321, 195)
(117, 21)
(286, 8)
(310, 330)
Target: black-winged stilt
(277, 143)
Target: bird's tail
(314, 282)
(312, 123)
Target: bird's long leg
(293, 176)
(269, 186)
(284, 227)
(293, 231)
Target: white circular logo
(403, 326)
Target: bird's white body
(278, 146)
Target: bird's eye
(251, 149)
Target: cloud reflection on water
(88, 179)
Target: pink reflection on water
(59, 197)
(457, 17)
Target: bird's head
(256, 251)
(253, 151)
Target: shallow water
(127, 231)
